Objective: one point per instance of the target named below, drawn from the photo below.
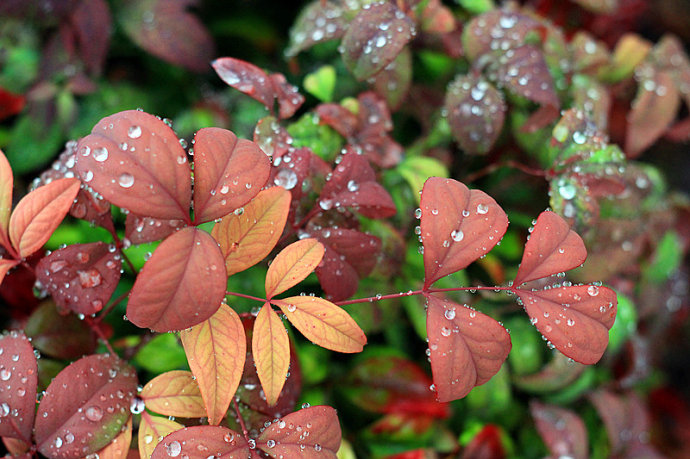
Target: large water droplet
(593, 290)
(126, 180)
(450, 314)
(287, 178)
(100, 154)
(90, 278)
(94, 413)
(137, 405)
(457, 235)
(174, 449)
(134, 132)
(482, 209)
(5, 374)
(567, 191)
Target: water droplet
(148, 438)
(58, 442)
(174, 449)
(126, 180)
(5, 374)
(291, 307)
(90, 278)
(450, 314)
(88, 176)
(352, 186)
(270, 443)
(134, 132)
(445, 331)
(94, 413)
(137, 406)
(593, 290)
(56, 266)
(457, 235)
(567, 191)
(4, 409)
(482, 209)
(418, 213)
(287, 178)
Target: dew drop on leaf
(593, 290)
(100, 154)
(94, 413)
(174, 449)
(482, 209)
(457, 235)
(134, 132)
(126, 180)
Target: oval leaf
(135, 161)
(318, 22)
(151, 430)
(39, 213)
(292, 265)
(19, 377)
(228, 173)
(174, 393)
(458, 226)
(119, 447)
(247, 78)
(576, 319)
(216, 350)
(85, 406)
(271, 351)
(248, 238)
(524, 72)
(312, 432)
(200, 442)
(552, 248)
(467, 347)
(323, 323)
(562, 430)
(59, 335)
(6, 183)
(181, 285)
(510, 27)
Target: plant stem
(371, 299)
(240, 419)
(95, 326)
(111, 306)
(249, 297)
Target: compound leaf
(562, 430)
(199, 442)
(292, 265)
(174, 393)
(271, 351)
(151, 430)
(312, 432)
(19, 376)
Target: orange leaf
(246, 239)
(6, 181)
(174, 393)
(271, 351)
(216, 349)
(6, 265)
(323, 323)
(39, 213)
(119, 447)
(292, 265)
(152, 429)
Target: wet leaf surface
(174, 393)
(57, 335)
(19, 376)
(562, 430)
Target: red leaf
(92, 26)
(288, 96)
(318, 22)
(626, 420)
(81, 277)
(467, 347)
(562, 430)
(308, 433)
(487, 444)
(85, 406)
(228, 173)
(181, 285)
(393, 82)
(458, 226)
(575, 319)
(140, 230)
(60, 336)
(165, 29)
(272, 138)
(199, 442)
(10, 104)
(524, 72)
(19, 376)
(510, 27)
(5, 266)
(135, 161)
(374, 125)
(552, 247)
(39, 213)
(339, 118)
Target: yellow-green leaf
(292, 265)
(216, 350)
(119, 447)
(6, 182)
(151, 430)
(174, 393)
(271, 351)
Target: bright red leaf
(199, 442)
(181, 285)
(457, 226)
(562, 430)
(19, 377)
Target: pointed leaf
(271, 351)
(312, 432)
(524, 72)
(119, 447)
(228, 173)
(135, 161)
(248, 238)
(199, 442)
(576, 319)
(5, 266)
(174, 393)
(81, 277)
(288, 97)
(6, 183)
(140, 230)
(58, 335)
(393, 82)
(247, 78)
(467, 347)
(92, 26)
(216, 350)
(39, 213)
(626, 420)
(458, 226)
(552, 248)
(562, 430)
(19, 376)
(323, 323)
(181, 285)
(151, 430)
(85, 406)
(292, 265)
(318, 22)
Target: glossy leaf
(524, 72)
(374, 38)
(216, 351)
(248, 238)
(228, 173)
(292, 265)
(318, 22)
(181, 285)
(199, 442)
(323, 323)
(504, 25)
(119, 447)
(19, 376)
(151, 430)
(312, 432)
(39, 213)
(6, 183)
(562, 430)
(575, 319)
(81, 277)
(288, 97)
(141, 230)
(552, 248)
(86, 406)
(135, 161)
(393, 82)
(271, 351)
(58, 335)
(476, 112)
(174, 393)
(457, 226)
(467, 347)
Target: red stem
(424, 292)
(240, 419)
(95, 326)
(249, 297)
(111, 306)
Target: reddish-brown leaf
(458, 226)
(374, 38)
(228, 173)
(467, 347)
(562, 430)
(552, 248)
(288, 97)
(509, 28)
(17, 448)
(292, 265)
(558, 373)
(92, 23)
(140, 230)
(524, 72)
(39, 213)
(174, 393)
(199, 442)
(575, 319)
(85, 406)
(19, 376)
(6, 183)
(310, 433)
(151, 430)
(135, 161)
(374, 125)
(181, 285)
(58, 335)
(119, 447)
(339, 118)
(5, 266)
(318, 22)
(272, 137)
(393, 82)
(216, 351)
(271, 351)
(81, 277)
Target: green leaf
(526, 356)
(32, 144)
(321, 83)
(163, 353)
(416, 169)
(322, 139)
(625, 325)
(477, 6)
(667, 258)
